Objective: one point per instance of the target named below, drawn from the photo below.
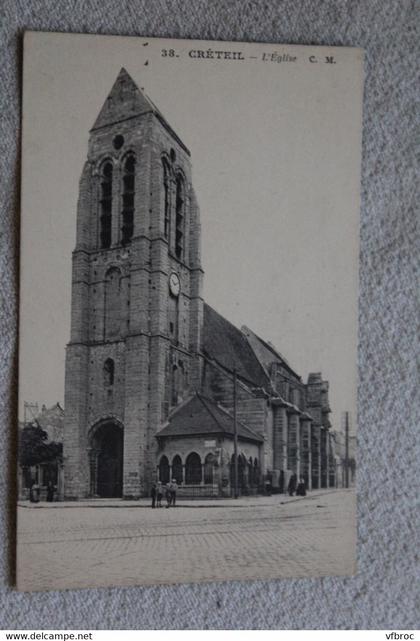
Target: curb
(129, 505)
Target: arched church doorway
(106, 465)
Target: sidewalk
(242, 502)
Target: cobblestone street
(108, 544)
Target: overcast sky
(275, 153)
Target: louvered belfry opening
(106, 205)
(129, 180)
(179, 217)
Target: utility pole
(346, 469)
(235, 436)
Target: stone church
(154, 376)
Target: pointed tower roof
(126, 100)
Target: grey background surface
(384, 594)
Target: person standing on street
(174, 488)
(168, 495)
(153, 495)
(34, 493)
(50, 492)
(301, 489)
(159, 494)
(291, 488)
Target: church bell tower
(137, 308)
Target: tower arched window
(179, 216)
(166, 199)
(173, 318)
(109, 371)
(106, 205)
(112, 303)
(128, 193)
(174, 385)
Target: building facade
(46, 469)
(149, 367)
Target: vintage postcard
(188, 318)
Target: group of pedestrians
(170, 490)
(295, 486)
(35, 492)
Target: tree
(34, 448)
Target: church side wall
(252, 410)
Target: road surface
(122, 544)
